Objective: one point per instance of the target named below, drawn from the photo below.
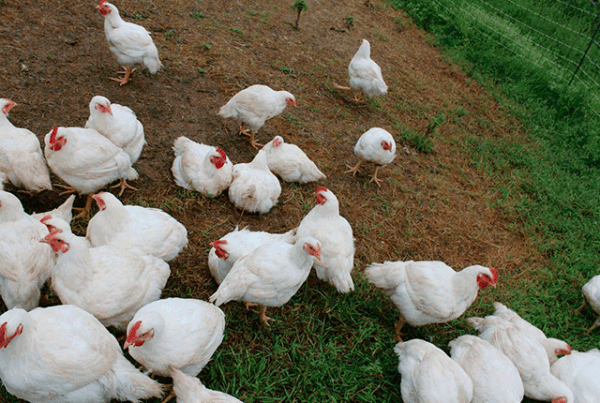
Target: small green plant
(207, 46)
(299, 5)
(138, 16)
(421, 143)
(196, 15)
(348, 22)
(434, 124)
(170, 34)
(202, 71)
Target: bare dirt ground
(435, 206)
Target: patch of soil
(433, 206)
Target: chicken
(131, 43)
(202, 168)
(591, 294)
(333, 231)
(553, 347)
(62, 354)
(21, 158)
(365, 74)
(254, 106)
(376, 145)
(529, 357)
(180, 332)
(290, 162)
(190, 390)
(429, 292)
(495, 378)
(142, 230)
(118, 124)
(270, 275)
(86, 160)
(430, 376)
(3, 180)
(237, 244)
(110, 283)
(24, 261)
(581, 373)
(254, 188)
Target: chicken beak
(127, 344)
(44, 240)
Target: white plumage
(429, 292)
(581, 373)
(230, 248)
(130, 43)
(376, 145)
(270, 275)
(529, 357)
(333, 231)
(255, 105)
(142, 230)
(3, 180)
(430, 376)
(190, 390)
(119, 124)
(64, 211)
(200, 167)
(553, 347)
(365, 74)
(290, 162)
(110, 283)
(24, 261)
(495, 378)
(591, 293)
(180, 332)
(254, 187)
(21, 158)
(62, 354)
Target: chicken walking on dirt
(376, 145)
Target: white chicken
(429, 292)
(180, 332)
(119, 124)
(21, 157)
(62, 354)
(290, 162)
(495, 378)
(254, 105)
(131, 43)
(86, 160)
(270, 275)
(529, 357)
(254, 188)
(110, 283)
(237, 244)
(190, 390)
(25, 262)
(591, 295)
(143, 230)
(376, 145)
(365, 74)
(430, 376)
(200, 167)
(581, 373)
(333, 231)
(553, 347)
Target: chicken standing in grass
(254, 188)
(143, 230)
(190, 390)
(87, 161)
(429, 292)
(131, 43)
(430, 376)
(230, 248)
(270, 275)
(553, 347)
(290, 162)
(377, 146)
(591, 295)
(21, 158)
(180, 332)
(62, 354)
(200, 167)
(333, 231)
(365, 74)
(254, 106)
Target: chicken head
(56, 142)
(7, 336)
(291, 101)
(7, 105)
(102, 104)
(485, 280)
(321, 198)
(135, 337)
(387, 146)
(104, 7)
(219, 251)
(219, 160)
(57, 244)
(313, 248)
(99, 201)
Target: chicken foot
(171, 394)
(398, 329)
(595, 325)
(354, 169)
(85, 212)
(126, 78)
(376, 179)
(123, 184)
(578, 310)
(250, 134)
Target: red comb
(218, 242)
(46, 218)
(53, 135)
(133, 331)
(222, 153)
(321, 189)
